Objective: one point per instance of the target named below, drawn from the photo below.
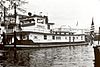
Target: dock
(97, 56)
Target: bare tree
(10, 4)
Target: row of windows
(61, 32)
(53, 37)
(59, 38)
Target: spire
(92, 25)
(92, 32)
(92, 21)
(77, 23)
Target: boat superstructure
(35, 29)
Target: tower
(92, 27)
(92, 32)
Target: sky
(67, 12)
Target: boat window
(53, 37)
(81, 37)
(35, 37)
(45, 37)
(73, 37)
(40, 21)
(23, 37)
(48, 26)
(77, 37)
(62, 33)
(51, 31)
(65, 37)
(58, 38)
(55, 32)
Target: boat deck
(47, 45)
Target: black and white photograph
(49, 33)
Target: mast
(4, 14)
(15, 13)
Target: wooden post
(15, 47)
(15, 39)
(97, 56)
(15, 14)
(98, 35)
(73, 39)
(4, 42)
(69, 37)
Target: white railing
(71, 30)
(41, 30)
(37, 30)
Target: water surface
(69, 56)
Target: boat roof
(29, 32)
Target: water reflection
(70, 56)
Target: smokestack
(29, 13)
